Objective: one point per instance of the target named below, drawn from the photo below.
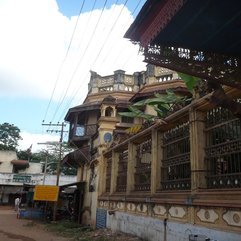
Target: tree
(52, 156)
(23, 155)
(9, 136)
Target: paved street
(13, 229)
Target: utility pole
(62, 125)
(45, 167)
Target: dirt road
(13, 229)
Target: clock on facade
(107, 137)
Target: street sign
(22, 178)
(46, 193)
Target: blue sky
(40, 78)
(72, 7)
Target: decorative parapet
(119, 81)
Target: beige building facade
(182, 177)
(96, 125)
(175, 178)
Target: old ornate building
(180, 177)
(194, 159)
(96, 125)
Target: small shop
(40, 201)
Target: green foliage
(9, 136)
(190, 81)
(161, 103)
(52, 156)
(68, 170)
(38, 157)
(69, 229)
(23, 155)
(76, 232)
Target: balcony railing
(223, 150)
(179, 184)
(83, 131)
(122, 171)
(176, 167)
(224, 181)
(143, 166)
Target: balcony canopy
(201, 37)
(77, 158)
(95, 106)
(20, 164)
(81, 108)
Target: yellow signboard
(46, 193)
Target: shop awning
(20, 163)
(77, 158)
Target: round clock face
(107, 137)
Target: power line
(62, 64)
(80, 60)
(87, 23)
(110, 48)
(108, 35)
(104, 42)
(78, 88)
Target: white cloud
(34, 140)
(34, 40)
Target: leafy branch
(161, 103)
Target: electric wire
(78, 89)
(62, 64)
(104, 43)
(60, 102)
(109, 33)
(80, 60)
(100, 52)
(92, 63)
(88, 20)
(132, 14)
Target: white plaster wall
(33, 168)
(152, 229)
(36, 179)
(63, 180)
(5, 161)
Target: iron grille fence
(176, 174)
(122, 171)
(223, 149)
(108, 173)
(143, 166)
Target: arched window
(109, 111)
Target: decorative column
(131, 167)
(114, 171)
(156, 157)
(102, 176)
(197, 151)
